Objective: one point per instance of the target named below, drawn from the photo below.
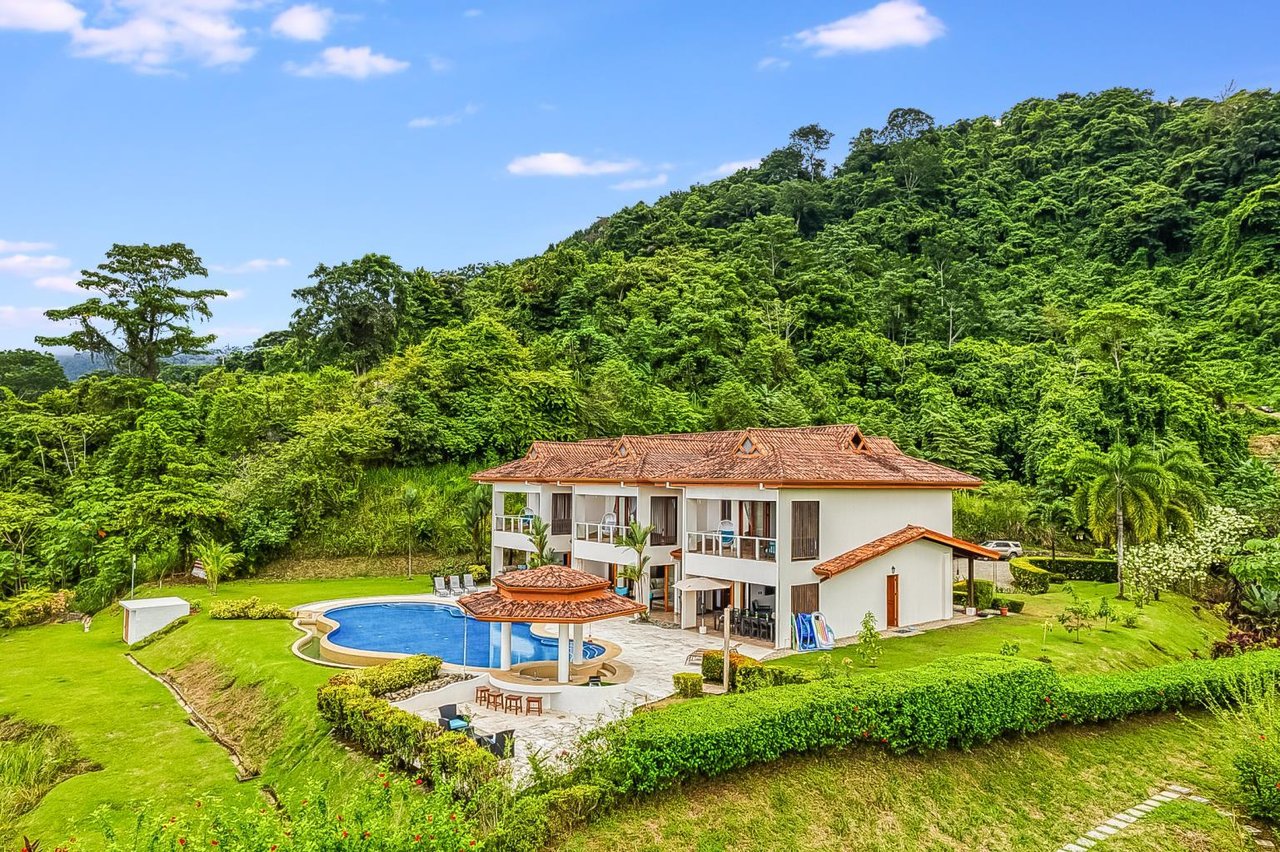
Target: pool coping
(310, 618)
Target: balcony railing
(513, 523)
(723, 543)
(606, 533)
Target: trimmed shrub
(688, 684)
(250, 608)
(1028, 577)
(533, 822)
(1075, 567)
(761, 677)
(1104, 697)
(984, 591)
(34, 606)
(713, 666)
(1014, 604)
(1257, 767)
(398, 674)
(348, 702)
(961, 701)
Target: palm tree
(1053, 515)
(636, 539)
(217, 559)
(409, 499)
(540, 535)
(1123, 491)
(475, 513)
(1185, 483)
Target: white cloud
(153, 34)
(893, 23)
(473, 13)
(22, 245)
(27, 321)
(305, 22)
(773, 63)
(49, 16)
(358, 63)
(258, 264)
(725, 169)
(642, 183)
(61, 283)
(559, 164)
(32, 265)
(444, 120)
(439, 64)
(236, 295)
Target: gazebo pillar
(505, 662)
(578, 632)
(562, 655)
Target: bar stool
(532, 701)
(482, 695)
(493, 699)
(514, 703)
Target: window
(561, 514)
(662, 512)
(804, 529)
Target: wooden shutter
(561, 514)
(804, 529)
(804, 598)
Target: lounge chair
(728, 532)
(468, 582)
(455, 585)
(440, 589)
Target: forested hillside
(995, 294)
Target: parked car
(1006, 549)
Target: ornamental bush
(984, 591)
(1257, 766)
(34, 606)
(961, 701)
(1076, 567)
(688, 684)
(398, 674)
(762, 677)
(532, 823)
(1028, 577)
(250, 608)
(713, 666)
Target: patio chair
(728, 532)
(526, 518)
(608, 525)
(450, 720)
(455, 585)
(468, 582)
(499, 744)
(440, 589)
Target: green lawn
(1168, 630)
(1015, 794)
(128, 724)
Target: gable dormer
(750, 445)
(855, 442)
(623, 449)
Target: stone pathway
(1122, 820)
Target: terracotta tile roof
(806, 455)
(551, 594)
(892, 541)
(550, 578)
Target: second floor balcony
(727, 543)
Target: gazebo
(551, 594)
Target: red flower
(273, 847)
(1064, 715)
(382, 775)
(182, 841)
(344, 835)
(884, 740)
(213, 843)
(418, 781)
(366, 835)
(1046, 699)
(431, 817)
(417, 838)
(453, 816)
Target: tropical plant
(410, 499)
(636, 539)
(217, 559)
(1122, 492)
(869, 646)
(1260, 606)
(476, 509)
(540, 535)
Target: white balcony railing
(606, 533)
(724, 543)
(513, 523)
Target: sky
(272, 136)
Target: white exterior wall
(144, 617)
(538, 498)
(924, 588)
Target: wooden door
(804, 598)
(891, 601)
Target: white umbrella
(701, 584)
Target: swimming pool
(406, 627)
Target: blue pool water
(437, 629)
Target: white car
(1007, 549)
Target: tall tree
(350, 315)
(139, 317)
(1122, 492)
(811, 140)
(29, 373)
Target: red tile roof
(552, 594)
(806, 455)
(892, 541)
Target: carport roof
(894, 540)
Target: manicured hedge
(348, 702)
(961, 701)
(763, 676)
(713, 666)
(1077, 567)
(1028, 577)
(533, 822)
(251, 608)
(1098, 698)
(984, 591)
(687, 684)
(1014, 604)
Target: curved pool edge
(311, 619)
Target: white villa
(793, 520)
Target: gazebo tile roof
(550, 578)
(493, 606)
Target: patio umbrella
(707, 584)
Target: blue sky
(270, 136)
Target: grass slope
(1032, 793)
(1168, 630)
